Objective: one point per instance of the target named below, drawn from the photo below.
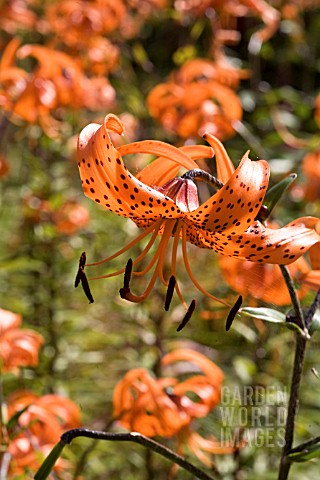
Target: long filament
(187, 265)
(127, 247)
(174, 263)
(169, 226)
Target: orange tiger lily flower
(311, 170)
(262, 281)
(311, 279)
(161, 203)
(76, 22)
(15, 15)
(38, 428)
(161, 406)
(57, 81)
(18, 347)
(198, 98)
(228, 9)
(70, 217)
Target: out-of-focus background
(247, 72)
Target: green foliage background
(89, 348)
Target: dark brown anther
(125, 290)
(124, 293)
(187, 316)
(81, 277)
(233, 312)
(86, 288)
(170, 292)
(127, 274)
(82, 263)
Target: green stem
(285, 464)
(294, 297)
(301, 342)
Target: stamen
(127, 247)
(187, 316)
(81, 277)
(126, 293)
(233, 312)
(174, 262)
(82, 262)
(170, 292)
(135, 262)
(126, 281)
(170, 225)
(151, 264)
(202, 176)
(186, 263)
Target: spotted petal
(235, 206)
(260, 244)
(108, 182)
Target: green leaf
(274, 194)
(48, 464)
(15, 418)
(315, 325)
(266, 314)
(307, 454)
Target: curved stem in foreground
(46, 467)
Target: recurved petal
(9, 320)
(224, 165)
(264, 245)
(20, 348)
(210, 369)
(311, 279)
(158, 148)
(108, 182)
(235, 206)
(161, 170)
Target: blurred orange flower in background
(70, 217)
(38, 427)
(56, 82)
(18, 347)
(199, 97)
(75, 22)
(311, 170)
(162, 406)
(228, 10)
(311, 278)
(261, 281)
(16, 15)
(4, 167)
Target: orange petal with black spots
(264, 245)
(235, 206)
(108, 182)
